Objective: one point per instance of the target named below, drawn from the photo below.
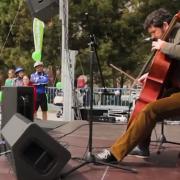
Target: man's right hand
(143, 78)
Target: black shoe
(106, 156)
(140, 152)
(58, 115)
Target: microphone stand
(90, 158)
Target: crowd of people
(38, 80)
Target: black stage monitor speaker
(35, 155)
(43, 9)
(17, 100)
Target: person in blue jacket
(40, 79)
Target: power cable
(6, 152)
(72, 131)
(11, 26)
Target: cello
(158, 72)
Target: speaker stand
(163, 139)
(91, 159)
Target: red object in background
(81, 81)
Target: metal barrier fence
(101, 97)
(51, 93)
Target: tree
(16, 33)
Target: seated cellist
(136, 139)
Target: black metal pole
(90, 158)
(90, 116)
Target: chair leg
(163, 139)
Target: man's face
(157, 32)
(39, 68)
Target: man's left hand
(157, 45)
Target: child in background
(11, 78)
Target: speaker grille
(41, 159)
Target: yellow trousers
(143, 124)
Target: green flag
(0, 96)
(38, 32)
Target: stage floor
(74, 136)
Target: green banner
(38, 32)
(0, 96)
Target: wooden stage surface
(164, 166)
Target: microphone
(87, 16)
(147, 39)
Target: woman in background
(27, 83)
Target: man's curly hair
(157, 18)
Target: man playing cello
(139, 130)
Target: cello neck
(174, 20)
